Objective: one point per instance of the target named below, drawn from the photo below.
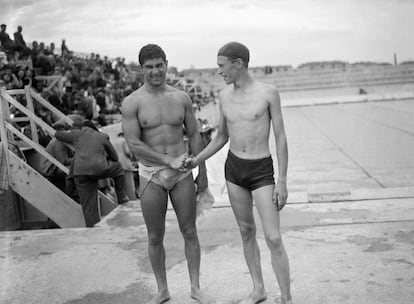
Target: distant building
(324, 65)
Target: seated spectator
(34, 50)
(5, 40)
(20, 44)
(45, 62)
(3, 58)
(63, 154)
(9, 78)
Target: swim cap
(235, 50)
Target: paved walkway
(348, 227)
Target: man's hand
(178, 162)
(190, 163)
(201, 182)
(280, 195)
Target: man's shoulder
(265, 87)
(178, 95)
(268, 91)
(225, 93)
(175, 91)
(133, 98)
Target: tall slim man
(247, 110)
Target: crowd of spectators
(91, 86)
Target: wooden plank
(3, 133)
(16, 92)
(106, 205)
(48, 77)
(33, 126)
(19, 119)
(43, 195)
(46, 104)
(37, 147)
(31, 115)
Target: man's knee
(189, 233)
(155, 239)
(274, 241)
(247, 231)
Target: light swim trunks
(163, 176)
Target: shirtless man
(153, 118)
(246, 110)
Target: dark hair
(151, 51)
(234, 50)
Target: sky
(277, 32)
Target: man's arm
(110, 150)
(216, 143)
(195, 142)
(67, 136)
(132, 132)
(281, 147)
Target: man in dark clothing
(19, 43)
(95, 158)
(5, 40)
(63, 154)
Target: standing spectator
(95, 158)
(64, 49)
(128, 163)
(52, 49)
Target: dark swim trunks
(250, 174)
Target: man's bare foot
(283, 301)
(201, 297)
(255, 297)
(161, 297)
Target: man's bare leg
(154, 207)
(183, 198)
(242, 205)
(271, 227)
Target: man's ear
(240, 62)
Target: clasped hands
(183, 163)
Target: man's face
(227, 69)
(155, 71)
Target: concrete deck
(343, 252)
(348, 228)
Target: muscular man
(153, 121)
(247, 108)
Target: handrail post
(3, 133)
(30, 106)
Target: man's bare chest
(245, 111)
(166, 112)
